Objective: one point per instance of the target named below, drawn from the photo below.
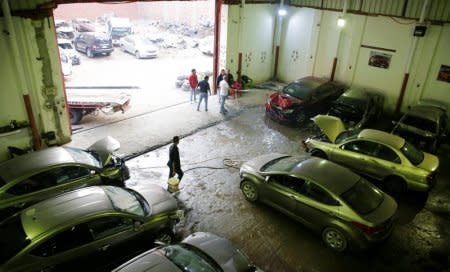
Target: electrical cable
(398, 22)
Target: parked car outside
(200, 251)
(139, 46)
(66, 64)
(302, 99)
(38, 175)
(343, 207)
(93, 43)
(91, 223)
(375, 153)
(358, 106)
(424, 125)
(66, 47)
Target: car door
(77, 42)
(281, 191)
(50, 182)
(355, 155)
(384, 162)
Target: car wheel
(301, 118)
(334, 239)
(166, 236)
(89, 53)
(249, 191)
(394, 186)
(319, 153)
(137, 54)
(75, 116)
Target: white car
(68, 49)
(140, 46)
(66, 64)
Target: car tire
(75, 116)
(319, 153)
(249, 191)
(89, 53)
(301, 118)
(335, 239)
(109, 53)
(137, 54)
(394, 186)
(166, 236)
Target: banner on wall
(444, 73)
(379, 59)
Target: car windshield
(190, 259)
(13, 238)
(414, 155)
(125, 201)
(363, 197)
(144, 42)
(65, 46)
(420, 123)
(350, 102)
(121, 30)
(84, 157)
(347, 135)
(301, 90)
(282, 164)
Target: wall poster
(380, 60)
(444, 73)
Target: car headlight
(288, 111)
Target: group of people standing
(223, 82)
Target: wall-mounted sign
(380, 60)
(419, 31)
(444, 73)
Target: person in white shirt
(223, 85)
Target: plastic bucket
(172, 184)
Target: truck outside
(117, 28)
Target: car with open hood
(375, 153)
(302, 99)
(200, 251)
(341, 206)
(38, 175)
(358, 106)
(93, 225)
(424, 125)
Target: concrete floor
(213, 201)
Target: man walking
(204, 90)
(174, 159)
(193, 82)
(223, 86)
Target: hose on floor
(227, 162)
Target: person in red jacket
(193, 82)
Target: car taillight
(94, 46)
(367, 229)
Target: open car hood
(330, 125)
(104, 148)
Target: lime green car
(374, 153)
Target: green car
(345, 209)
(86, 226)
(374, 153)
(39, 175)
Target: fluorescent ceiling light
(341, 22)
(282, 12)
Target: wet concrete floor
(213, 202)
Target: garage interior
(255, 38)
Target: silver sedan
(139, 46)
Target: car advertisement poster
(444, 73)
(380, 60)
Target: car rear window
(363, 197)
(123, 200)
(347, 135)
(281, 164)
(414, 155)
(421, 123)
(301, 90)
(84, 157)
(190, 259)
(13, 238)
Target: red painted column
(216, 56)
(34, 130)
(239, 71)
(333, 69)
(277, 53)
(402, 93)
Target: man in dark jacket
(204, 90)
(174, 159)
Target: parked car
(358, 106)
(424, 125)
(64, 29)
(38, 175)
(200, 251)
(82, 25)
(85, 226)
(377, 154)
(343, 207)
(93, 43)
(66, 47)
(139, 46)
(302, 99)
(66, 64)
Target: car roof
(381, 136)
(149, 261)
(324, 173)
(33, 162)
(48, 214)
(426, 112)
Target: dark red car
(302, 99)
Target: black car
(424, 125)
(94, 44)
(302, 99)
(357, 106)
